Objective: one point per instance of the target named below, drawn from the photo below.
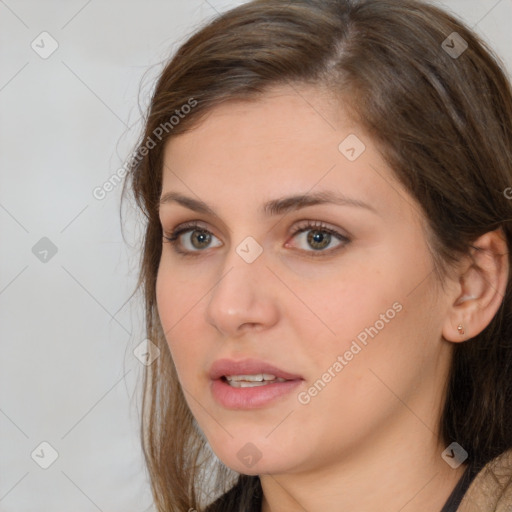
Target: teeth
(250, 381)
(247, 384)
(251, 378)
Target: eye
(191, 238)
(315, 237)
(318, 237)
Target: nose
(244, 298)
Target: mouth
(250, 383)
(248, 370)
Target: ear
(481, 286)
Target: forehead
(290, 140)
(284, 118)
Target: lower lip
(253, 397)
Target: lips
(228, 367)
(250, 384)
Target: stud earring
(460, 329)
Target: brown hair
(444, 124)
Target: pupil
(319, 239)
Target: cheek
(166, 300)
(178, 294)
(355, 383)
(177, 303)
(337, 307)
(383, 350)
(370, 312)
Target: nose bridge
(243, 263)
(242, 294)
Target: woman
(325, 264)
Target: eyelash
(173, 238)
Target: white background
(68, 375)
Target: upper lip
(223, 367)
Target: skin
(369, 440)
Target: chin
(248, 459)
(260, 468)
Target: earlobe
(481, 288)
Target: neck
(403, 472)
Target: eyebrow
(274, 207)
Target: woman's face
(308, 262)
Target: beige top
(491, 489)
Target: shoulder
(491, 489)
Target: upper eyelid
(188, 225)
(304, 224)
